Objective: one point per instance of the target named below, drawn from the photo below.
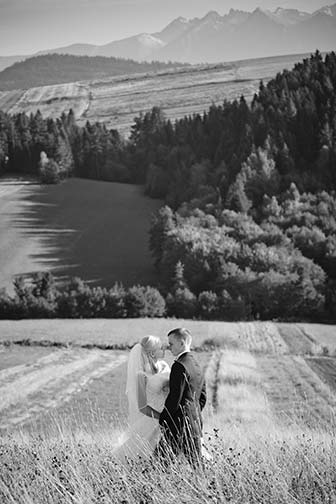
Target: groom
(181, 420)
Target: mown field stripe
(325, 368)
(45, 374)
(263, 337)
(33, 380)
(37, 391)
(7, 374)
(240, 397)
(295, 391)
(58, 392)
(296, 340)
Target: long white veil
(136, 364)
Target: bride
(146, 389)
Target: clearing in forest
(95, 230)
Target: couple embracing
(164, 404)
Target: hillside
(250, 232)
(6, 61)
(61, 68)
(117, 100)
(79, 228)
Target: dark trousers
(172, 445)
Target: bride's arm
(142, 398)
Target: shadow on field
(91, 229)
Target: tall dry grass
(253, 465)
(254, 458)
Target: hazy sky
(27, 26)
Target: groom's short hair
(182, 334)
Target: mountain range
(214, 38)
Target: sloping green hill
(94, 230)
(59, 68)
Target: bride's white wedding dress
(143, 433)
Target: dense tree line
(41, 298)
(91, 151)
(249, 227)
(281, 267)
(237, 152)
(50, 69)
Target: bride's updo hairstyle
(149, 344)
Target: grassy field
(257, 337)
(179, 93)
(71, 360)
(53, 100)
(269, 420)
(325, 368)
(9, 98)
(326, 334)
(78, 228)
(117, 100)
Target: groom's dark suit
(181, 420)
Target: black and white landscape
(197, 190)
(216, 38)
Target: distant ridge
(215, 38)
(61, 68)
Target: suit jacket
(181, 417)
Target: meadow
(52, 100)
(117, 100)
(269, 421)
(9, 99)
(78, 228)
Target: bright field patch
(253, 376)
(9, 98)
(268, 424)
(40, 387)
(47, 382)
(268, 392)
(79, 228)
(260, 337)
(324, 335)
(53, 100)
(255, 337)
(117, 100)
(298, 340)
